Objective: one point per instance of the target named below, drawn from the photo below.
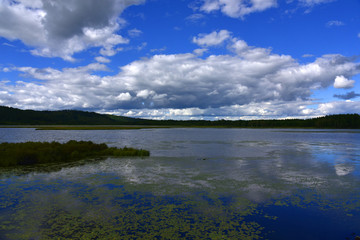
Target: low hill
(13, 116)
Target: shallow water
(208, 183)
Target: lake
(198, 183)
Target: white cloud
(335, 23)
(237, 8)
(18, 21)
(62, 28)
(241, 8)
(195, 18)
(249, 81)
(343, 82)
(339, 107)
(314, 2)
(200, 51)
(241, 48)
(124, 97)
(158, 49)
(134, 32)
(210, 5)
(177, 85)
(5, 69)
(145, 93)
(264, 110)
(102, 59)
(238, 46)
(212, 39)
(8, 44)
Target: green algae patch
(32, 153)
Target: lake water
(197, 183)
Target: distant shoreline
(138, 127)
(84, 127)
(79, 120)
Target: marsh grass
(32, 153)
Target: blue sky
(194, 59)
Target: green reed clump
(30, 153)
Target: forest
(13, 116)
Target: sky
(182, 59)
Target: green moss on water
(31, 153)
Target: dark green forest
(13, 116)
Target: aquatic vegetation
(248, 187)
(30, 153)
(105, 207)
(111, 212)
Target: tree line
(13, 116)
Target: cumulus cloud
(266, 110)
(238, 46)
(241, 8)
(212, 39)
(62, 28)
(249, 81)
(343, 82)
(124, 97)
(237, 8)
(339, 107)
(347, 96)
(22, 21)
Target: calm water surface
(198, 183)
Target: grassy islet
(31, 153)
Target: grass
(32, 153)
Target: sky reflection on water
(209, 174)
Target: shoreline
(138, 127)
